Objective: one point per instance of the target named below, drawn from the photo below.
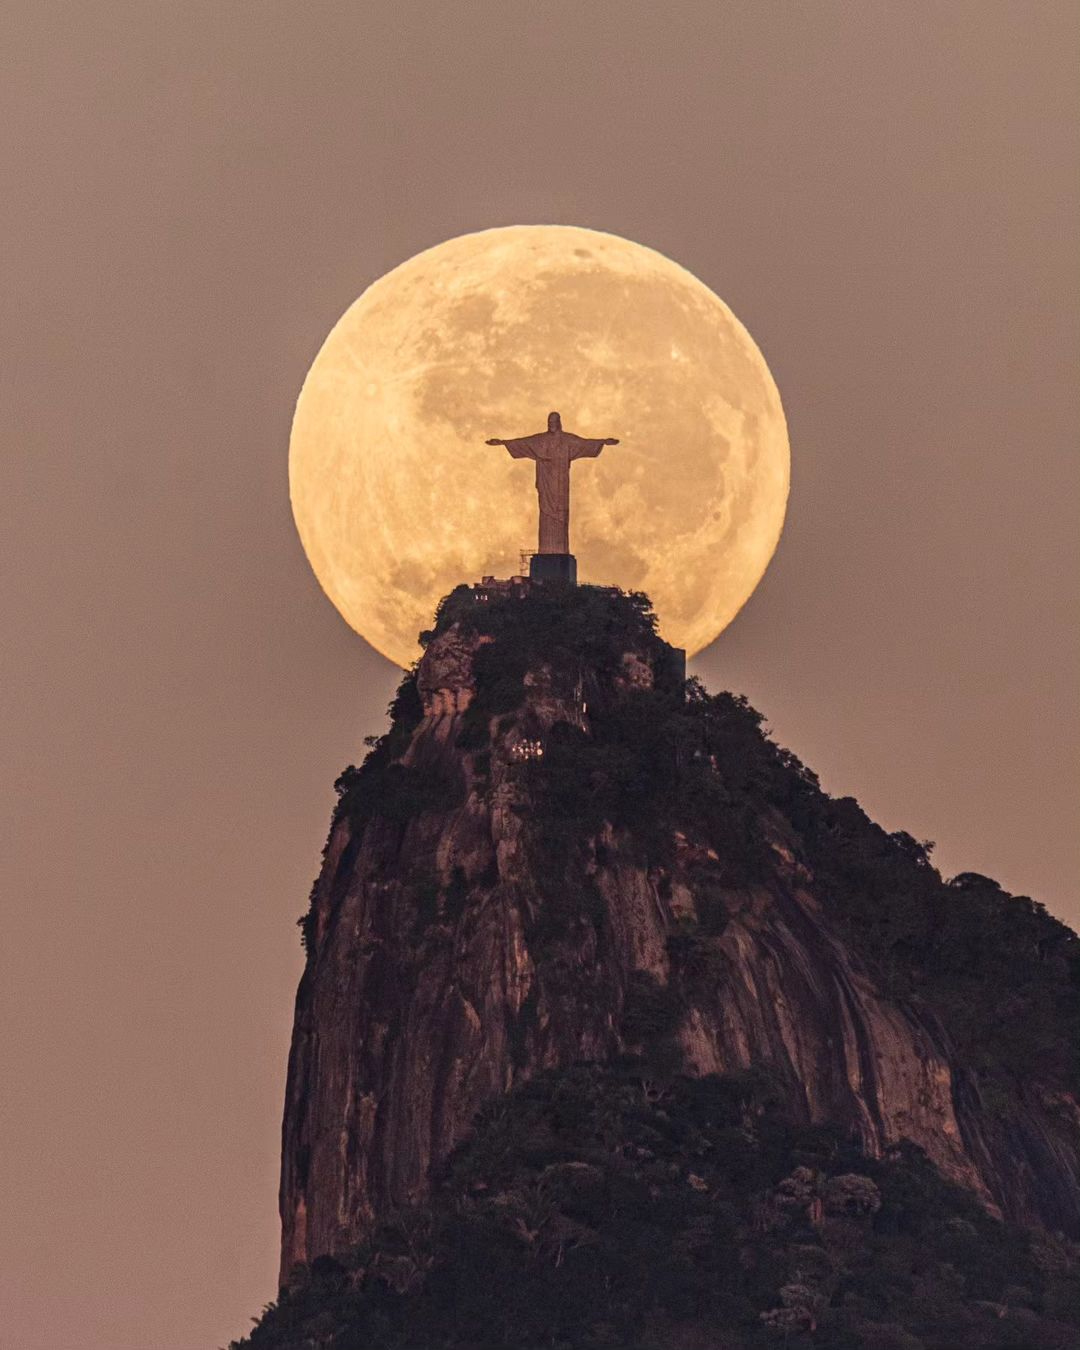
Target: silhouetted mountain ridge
(602, 913)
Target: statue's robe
(553, 452)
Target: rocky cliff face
(553, 858)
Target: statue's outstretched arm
(522, 448)
(582, 448)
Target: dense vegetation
(584, 628)
(597, 1207)
(627, 1206)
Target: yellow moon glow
(398, 499)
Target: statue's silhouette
(553, 450)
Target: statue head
(554, 422)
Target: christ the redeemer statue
(553, 450)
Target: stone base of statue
(553, 567)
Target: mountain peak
(562, 852)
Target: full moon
(398, 499)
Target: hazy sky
(887, 196)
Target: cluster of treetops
(601, 1208)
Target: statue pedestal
(553, 567)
